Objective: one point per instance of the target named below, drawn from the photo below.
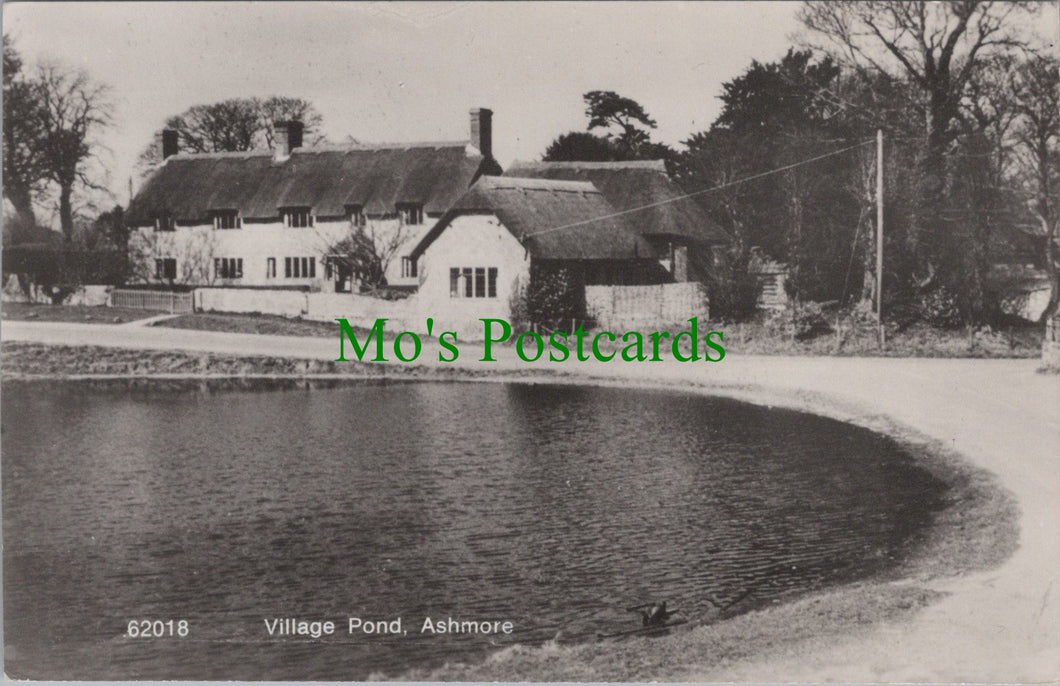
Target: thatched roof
(632, 185)
(328, 180)
(541, 212)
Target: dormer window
(165, 222)
(227, 219)
(297, 217)
(355, 213)
(410, 215)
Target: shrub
(733, 290)
(940, 307)
(801, 321)
(554, 295)
(808, 320)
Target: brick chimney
(288, 137)
(170, 143)
(482, 130)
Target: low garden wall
(632, 307)
(361, 310)
(252, 300)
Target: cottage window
(297, 217)
(300, 267)
(270, 268)
(408, 267)
(166, 268)
(411, 215)
(165, 222)
(473, 282)
(227, 219)
(228, 267)
(355, 213)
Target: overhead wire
(703, 191)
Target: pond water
(550, 506)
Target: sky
(401, 72)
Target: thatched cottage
(272, 218)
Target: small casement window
(166, 268)
(270, 268)
(228, 267)
(300, 267)
(410, 215)
(165, 222)
(355, 214)
(473, 282)
(227, 219)
(297, 217)
(408, 267)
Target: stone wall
(644, 307)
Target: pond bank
(963, 607)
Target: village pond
(552, 507)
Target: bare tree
(73, 109)
(283, 108)
(367, 251)
(234, 125)
(935, 46)
(1036, 93)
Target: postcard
(531, 341)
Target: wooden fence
(177, 303)
(615, 307)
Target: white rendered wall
(471, 241)
(195, 247)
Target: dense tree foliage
(24, 171)
(970, 116)
(626, 136)
(944, 56)
(52, 117)
(773, 116)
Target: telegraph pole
(879, 235)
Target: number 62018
(146, 628)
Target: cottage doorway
(340, 273)
(343, 278)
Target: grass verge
(82, 314)
(252, 323)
